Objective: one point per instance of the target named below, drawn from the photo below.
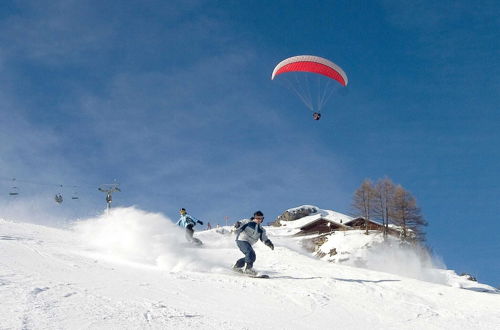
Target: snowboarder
(187, 221)
(247, 234)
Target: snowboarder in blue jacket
(247, 234)
(187, 221)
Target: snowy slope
(132, 270)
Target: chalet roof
(325, 219)
(391, 226)
(329, 215)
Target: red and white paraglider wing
(314, 64)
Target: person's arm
(269, 244)
(266, 240)
(195, 220)
(242, 228)
(263, 235)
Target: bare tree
(406, 214)
(363, 201)
(384, 191)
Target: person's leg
(240, 263)
(189, 233)
(247, 249)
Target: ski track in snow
(50, 279)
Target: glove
(237, 225)
(270, 244)
(200, 222)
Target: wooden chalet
(321, 226)
(360, 224)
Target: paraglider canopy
(313, 64)
(314, 79)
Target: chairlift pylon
(109, 189)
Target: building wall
(319, 227)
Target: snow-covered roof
(334, 223)
(328, 215)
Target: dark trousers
(249, 253)
(189, 233)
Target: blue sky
(173, 99)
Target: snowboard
(194, 244)
(197, 242)
(241, 272)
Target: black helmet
(257, 214)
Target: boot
(250, 271)
(240, 263)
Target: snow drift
(130, 234)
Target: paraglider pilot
(316, 116)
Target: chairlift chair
(75, 194)
(14, 191)
(58, 198)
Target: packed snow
(133, 269)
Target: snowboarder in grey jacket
(247, 234)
